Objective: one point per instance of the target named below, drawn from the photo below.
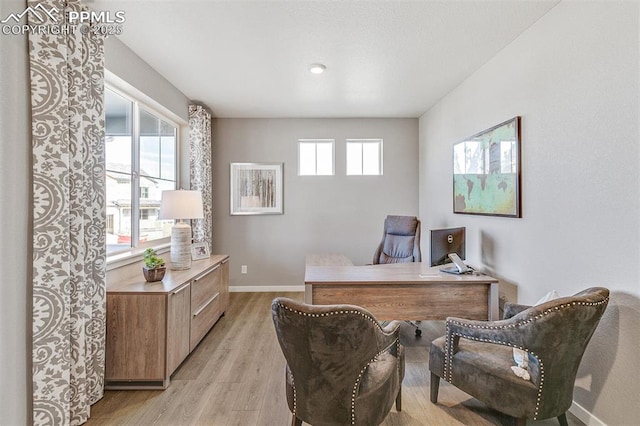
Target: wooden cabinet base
(136, 385)
(152, 327)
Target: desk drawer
(203, 319)
(204, 288)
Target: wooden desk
(328, 260)
(402, 291)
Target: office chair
(343, 367)
(400, 244)
(477, 356)
(400, 241)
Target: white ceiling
(384, 58)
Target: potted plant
(153, 268)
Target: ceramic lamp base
(181, 246)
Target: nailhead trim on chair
(293, 385)
(326, 314)
(355, 387)
(448, 367)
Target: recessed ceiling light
(317, 68)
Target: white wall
(128, 72)
(124, 63)
(15, 196)
(573, 77)
(322, 214)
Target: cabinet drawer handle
(195, 280)
(205, 305)
(180, 290)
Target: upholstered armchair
(343, 367)
(400, 241)
(477, 356)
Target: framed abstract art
(256, 188)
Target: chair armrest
(534, 329)
(508, 332)
(511, 309)
(392, 327)
(389, 337)
(503, 332)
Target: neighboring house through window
(141, 162)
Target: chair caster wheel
(418, 332)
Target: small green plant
(151, 259)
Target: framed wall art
(256, 188)
(199, 251)
(486, 172)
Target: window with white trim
(364, 156)
(141, 161)
(315, 157)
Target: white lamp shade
(181, 204)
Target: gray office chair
(343, 366)
(400, 244)
(476, 356)
(400, 241)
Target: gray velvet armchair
(343, 367)
(400, 241)
(476, 356)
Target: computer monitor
(445, 241)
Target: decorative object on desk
(199, 251)
(256, 188)
(153, 268)
(181, 205)
(486, 172)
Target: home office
(570, 72)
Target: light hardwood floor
(236, 377)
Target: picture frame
(487, 172)
(199, 251)
(256, 188)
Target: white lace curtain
(200, 166)
(67, 83)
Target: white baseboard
(265, 288)
(585, 416)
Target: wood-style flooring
(236, 377)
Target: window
(364, 156)
(315, 157)
(141, 162)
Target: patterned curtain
(67, 83)
(200, 165)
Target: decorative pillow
(549, 296)
(520, 356)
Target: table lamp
(181, 205)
